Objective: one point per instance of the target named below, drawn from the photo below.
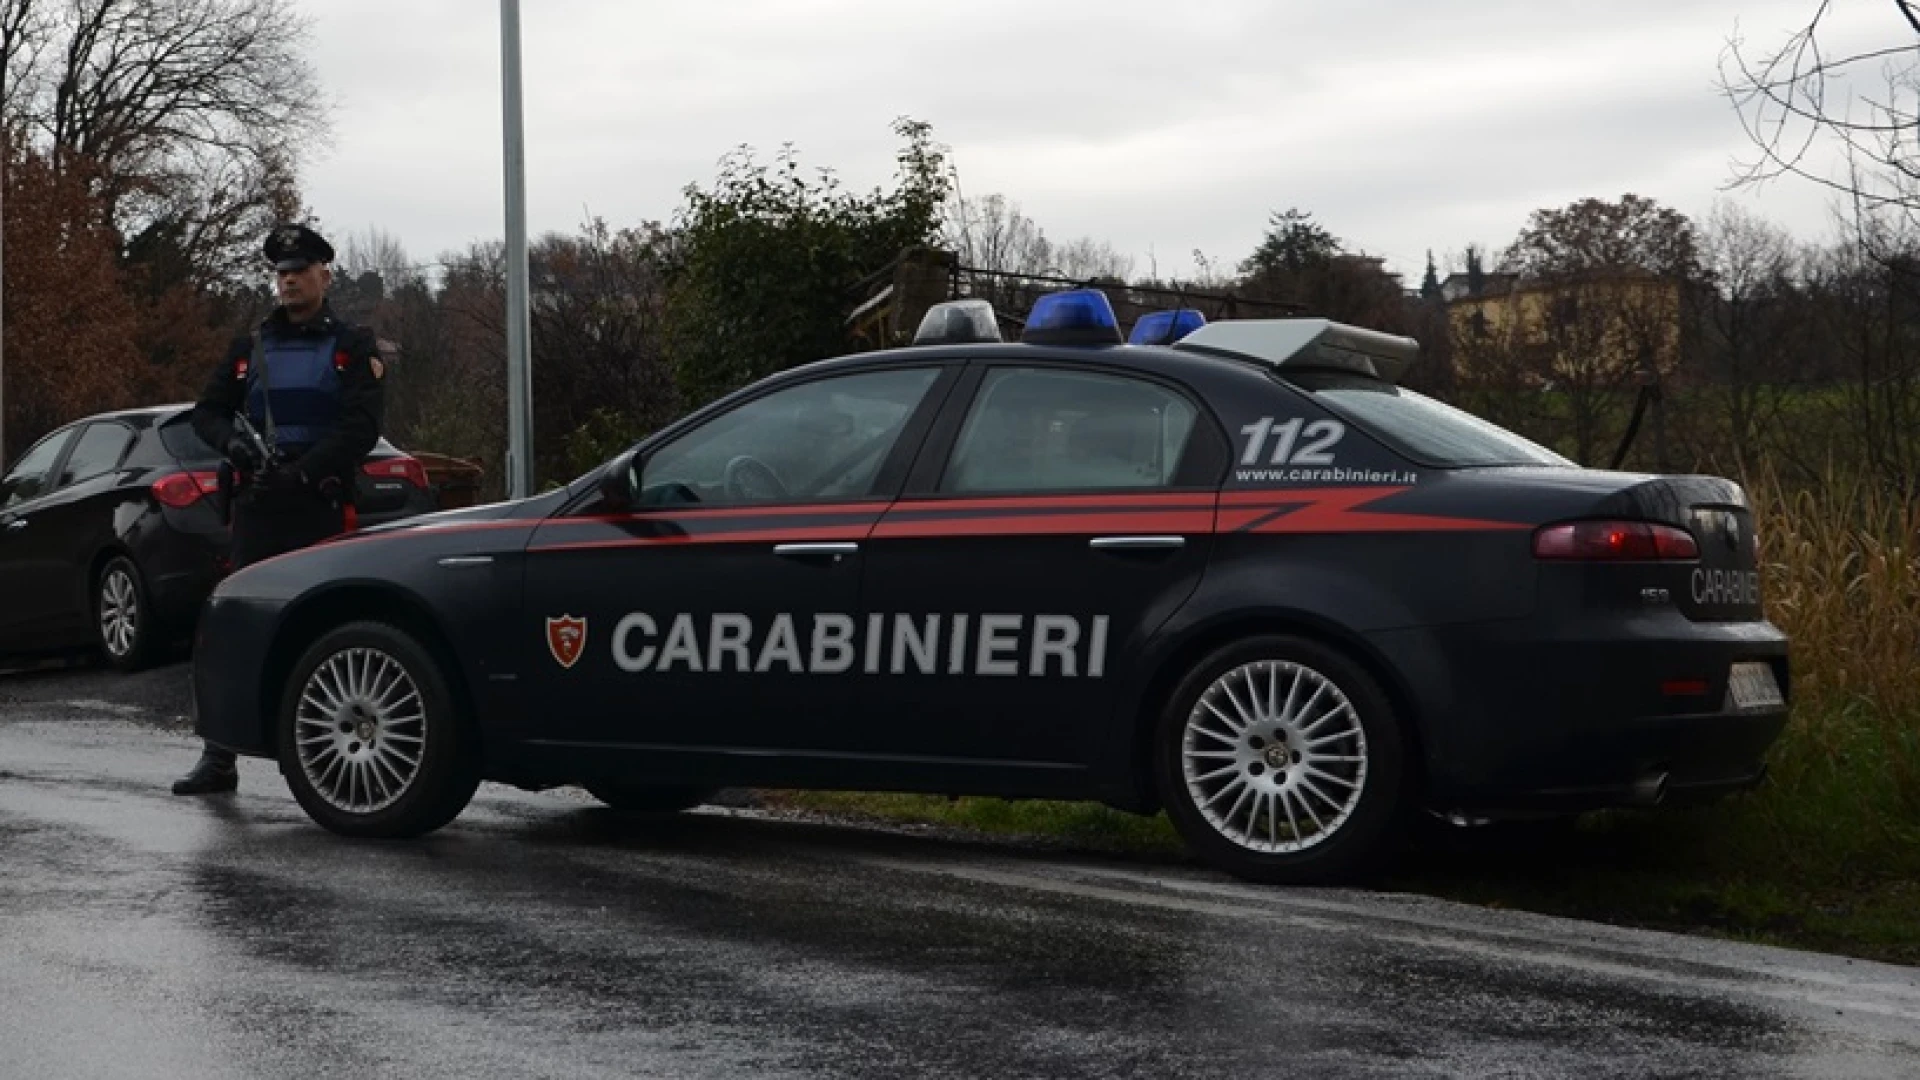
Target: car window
(28, 479)
(1040, 429)
(178, 436)
(97, 453)
(1425, 430)
(824, 439)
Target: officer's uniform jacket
(322, 380)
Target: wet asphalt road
(147, 936)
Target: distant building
(1610, 325)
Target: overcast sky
(1159, 128)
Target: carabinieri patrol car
(1231, 570)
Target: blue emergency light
(1074, 317)
(1166, 327)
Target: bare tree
(1087, 259)
(1792, 102)
(194, 113)
(1751, 320)
(23, 36)
(379, 251)
(991, 233)
(1869, 305)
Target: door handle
(815, 551)
(1137, 543)
(16, 524)
(462, 562)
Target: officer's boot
(214, 772)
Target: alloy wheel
(119, 612)
(361, 730)
(1274, 756)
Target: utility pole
(519, 339)
(6, 152)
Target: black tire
(1283, 774)
(397, 804)
(123, 622)
(631, 798)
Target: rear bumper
(1588, 714)
(177, 596)
(1648, 761)
(183, 561)
(229, 660)
(418, 501)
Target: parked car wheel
(371, 740)
(647, 798)
(1280, 760)
(123, 615)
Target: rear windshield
(178, 437)
(1425, 430)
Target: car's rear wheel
(1280, 760)
(122, 615)
(372, 741)
(634, 798)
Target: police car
(1231, 570)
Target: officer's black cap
(296, 247)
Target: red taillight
(397, 468)
(181, 490)
(1636, 540)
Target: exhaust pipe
(1648, 790)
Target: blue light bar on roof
(1074, 317)
(1166, 327)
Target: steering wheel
(749, 479)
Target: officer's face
(302, 290)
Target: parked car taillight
(181, 490)
(1600, 540)
(398, 468)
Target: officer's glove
(285, 480)
(244, 455)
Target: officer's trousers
(269, 523)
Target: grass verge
(1825, 855)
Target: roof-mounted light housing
(1165, 327)
(958, 322)
(1307, 343)
(1074, 317)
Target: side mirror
(620, 484)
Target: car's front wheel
(371, 740)
(1281, 760)
(122, 614)
(634, 798)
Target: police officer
(309, 388)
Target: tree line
(149, 144)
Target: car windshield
(178, 437)
(1427, 431)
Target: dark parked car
(111, 532)
(1248, 578)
